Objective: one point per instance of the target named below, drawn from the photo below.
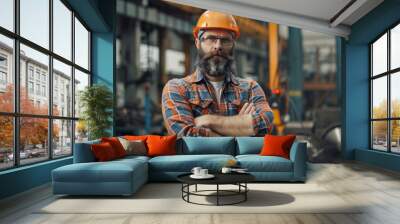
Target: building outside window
(37, 75)
(3, 78)
(3, 72)
(30, 87)
(3, 61)
(43, 90)
(30, 72)
(38, 89)
(43, 77)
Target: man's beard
(216, 65)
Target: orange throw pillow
(103, 151)
(161, 145)
(136, 137)
(116, 145)
(277, 145)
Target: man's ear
(197, 43)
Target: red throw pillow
(277, 145)
(116, 145)
(103, 151)
(161, 145)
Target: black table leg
(182, 189)
(245, 193)
(188, 189)
(196, 188)
(217, 194)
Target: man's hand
(224, 125)
(203, 121)
(214, 134)
(248, 108)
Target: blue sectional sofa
(125, 176)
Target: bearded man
(213, 101)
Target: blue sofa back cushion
(83, 153)
(206, 145)
(249, 145)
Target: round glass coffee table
(238, 179)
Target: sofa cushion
(133, 158)
(103, 152)
(116, 145)
(133, 147)
(185, 163)
(161, 145)
(257, 163)
(277, 145)
(83, 152)
(207, 145)
(249, 145)
(111, 171)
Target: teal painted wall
(99, 15)
(356, 85)
(27, 177)
(295, 73)
(103, 62)
(356, 99)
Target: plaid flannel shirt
(192, 96)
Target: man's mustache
(208, 56)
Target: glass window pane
(35, 21)
(395, 94)
(62, 89)
(6, 74)
(6, 142)
(379, 98)
(379, 55)
(81, 131)
(34, 80)
(7, 14)
(81, 45)
(379, 135)
(81, 81)
(33, 139)
(62, 138)
(395, 136)
(395, 47)
(62, 29)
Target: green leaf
(96, 102)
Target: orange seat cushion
(116, 145)
(277, 145)
(161, 145)
(103, 152)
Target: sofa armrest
(298, 155)
(83, 152)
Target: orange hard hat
(216, 20)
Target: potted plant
(96, 102)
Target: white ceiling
(313, 15)
(321, 9)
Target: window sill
(26, 167)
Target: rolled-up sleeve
(177, 113)
(263, 116)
